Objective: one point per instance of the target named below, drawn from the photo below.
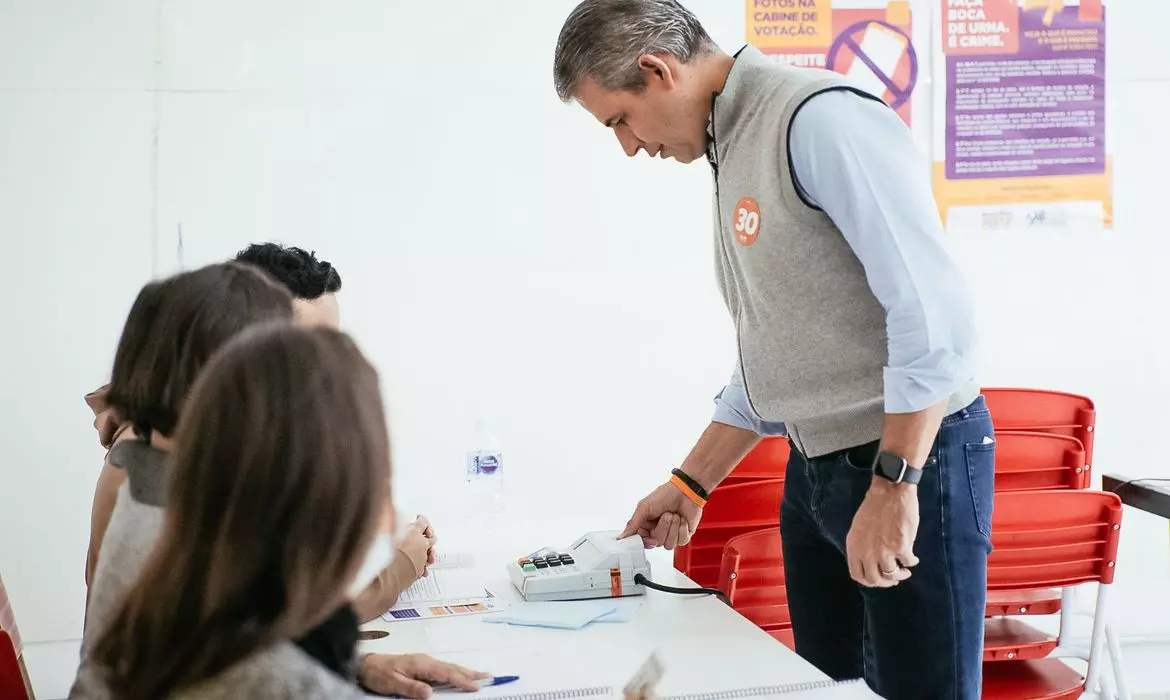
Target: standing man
(855, 333)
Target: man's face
(663, 119)
(322, 311)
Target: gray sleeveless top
(134, 528)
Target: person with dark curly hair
(314, 283)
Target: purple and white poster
(1020, 128)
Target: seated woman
(171, 332)
(314, 285)
(278, 515)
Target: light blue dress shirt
(856, 160)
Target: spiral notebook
(816, 690)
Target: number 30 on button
(745, 221)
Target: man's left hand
(880, 543)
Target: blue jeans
(924, 637)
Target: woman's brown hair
(172, 330)
(281, 473)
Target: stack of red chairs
(1044, 442)
(1044, 447)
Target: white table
(705, 645)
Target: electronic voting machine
(596, 566)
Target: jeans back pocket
(980, 463)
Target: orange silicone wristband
(695, 498)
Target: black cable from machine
(641, 580)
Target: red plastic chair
(1046, 539)
(1042, 411)
(8, 617)
(768, 460)
(732, 510)
(14, 681)
(1032, 461)
(752, 576)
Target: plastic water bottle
(485, 477)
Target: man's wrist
(690, 487)
(886, 487)
(891, 468)
(715, 455)
(703, 475)
(914, 457)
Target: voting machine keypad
(531, 565)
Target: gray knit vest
(811, 334)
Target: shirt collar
(723, 103)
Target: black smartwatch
(893, 468)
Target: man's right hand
(410, 675)
(665, 518)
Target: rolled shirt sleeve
(853, 158)
(732, 408)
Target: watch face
(890, 466)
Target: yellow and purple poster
(868, 41)
(1019, 128)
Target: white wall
(500, 255)
(1081, 311)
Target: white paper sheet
(451, 588)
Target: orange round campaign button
(745, 221)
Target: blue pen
(481, 682)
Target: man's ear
(657, 69)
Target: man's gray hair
(603, 39)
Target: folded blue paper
(568, 615)
(625, 610)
